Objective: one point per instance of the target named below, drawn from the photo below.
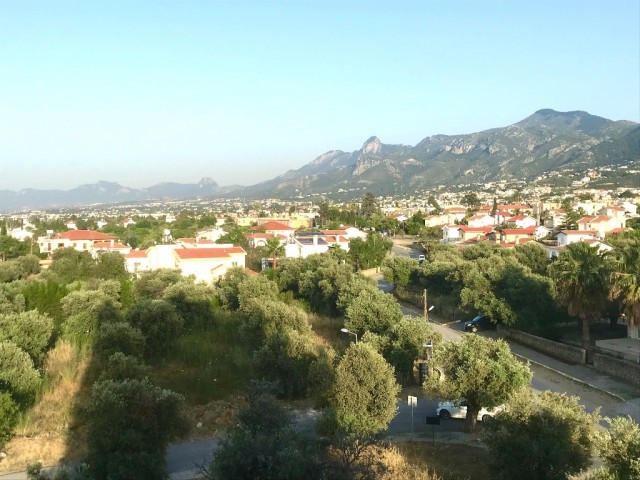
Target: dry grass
(450, 461)
(327, 331)
(214, 417)
(42, 432)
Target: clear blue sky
(141, 92)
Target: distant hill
(545, 141)
(107, 192)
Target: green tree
(273, 249)
(398, 270)
(111, 266)
(226, 289)
(18, 375)
(264, 318)
(159, 322)
(471, 200)
(619, 447)
(85, 311)
(352, 289)
(626, 280)
(479, 370)
(405, 345)
(369, 206)
(153, 283)
(369, 253)
(265, 445)
(548, 438)
(286, 358)
(118, 337)
(70, 265)
(372, 311)
(532, 255)
(130, 423)
(120, 367)
(193, 301)
(30, 331)
(581, 276)
(8, 417)
(363, 396)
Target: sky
(142, 92)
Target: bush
(286, 358)
(17, 373)
(119, 337)
(130, 423)
(30, 331)
(158, 321)
(8, 417)
(120, 367)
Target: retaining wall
(617, 367)
(568, 353)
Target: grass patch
(206, 364)
(448, 461)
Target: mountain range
(543, 142)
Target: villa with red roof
(522, 221)
(602, 224)
(480, 220)
(208, 264)
(274, 228)
(81, 240)
(110, 246)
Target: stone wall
(559, 350)
(617, 367)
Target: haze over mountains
(545, 141)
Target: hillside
(545, 141)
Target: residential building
(81, 240)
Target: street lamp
(426, 310)
(344, 330)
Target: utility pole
(426, 310)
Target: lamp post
(424, 304)
(344, 330)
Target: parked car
(421, 258)
(450, 409)
(481, 322)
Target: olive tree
(372, 311)
(547, 438)
(17, 372)
(130, 423)
(619, 447)
(482, 371)
(30, 331)
(363, 396)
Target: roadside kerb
(570, 377)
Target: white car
(449, 409)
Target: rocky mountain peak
(207, 182)
(371, 146)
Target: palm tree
(273, 248)
(625, 281)
(581, 276)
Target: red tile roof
(273, 225)
(84, 235)
(115, 246)
(136, 254)
(202, 253)
(578, 232)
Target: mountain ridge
(545, 141)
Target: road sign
(412, 401)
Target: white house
(566, 237)
(20, 234)
(450, 233)
(81, 240)
(522, 221)
(208, 264)
(136, 261)
(480, 220)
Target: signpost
(433, 421)
(412, 402)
